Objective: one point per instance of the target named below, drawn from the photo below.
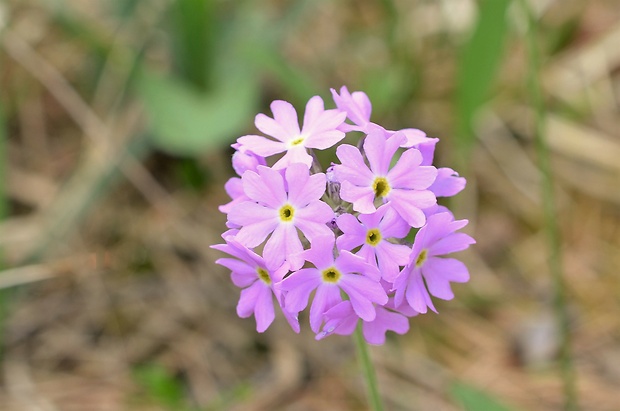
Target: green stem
(550, 215)
(369, 371)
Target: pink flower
(347, 272)
(319, 131)
(436, 238)
(356, 105)
(279, 206)
(371, 233)
(248, 271)
(404, 186)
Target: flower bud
(243, 160)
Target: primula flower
(293, 230)
(436, 238)
(319, 131)
(347, 272)
(279, 206)
(371, 233)
(342, 320)
(249, 272)
(404, 186)
(356, 105)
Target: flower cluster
(366, 236)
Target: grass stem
(550, 216)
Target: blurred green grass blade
(3, 172)
(161, 387)
(297, 82)
(81, 31)
(186, 122)
(5, 296)
(193, 35)
(478, 66)
(125, 8)
(473, 399)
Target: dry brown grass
(123, 274)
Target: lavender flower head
(336, 241)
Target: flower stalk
(368, 370)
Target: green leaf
(187, 122)
(193, 34)
(478, 66)
(473, 399)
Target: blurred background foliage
(116, 118)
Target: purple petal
(356, 105)
(299, 285)
(416, 293)
(234, 189)
(363, 105)
(413, 137)
(320, 125)
(243, 160)
(449, 268)
(392, 224)
(283, 245)
(292, 319)
(354, 234)
(255, 220)
(374, 331)
(380, 150)
(248, 299)
(372, 220)
(428, 151)
(390, 257)
(260, 145)
(407, 173)
(408, 204)
(263, 310)
(313, 225)
(325, 139)
(340, 319)
(297, 154)
(361, 197)
(447, 183)
(266, 187)
(284, 124)
(352, 167)
(303, 187)
(451, 244)
(314, 109)
(363, 292)
(327, 296)
(321, 253)
(351, 263)
(242, 274)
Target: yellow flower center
(381, 187)
(287, 212)
(331, 275)
(263, 275)
(373, 237)
(421, 258)
(296, 142)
